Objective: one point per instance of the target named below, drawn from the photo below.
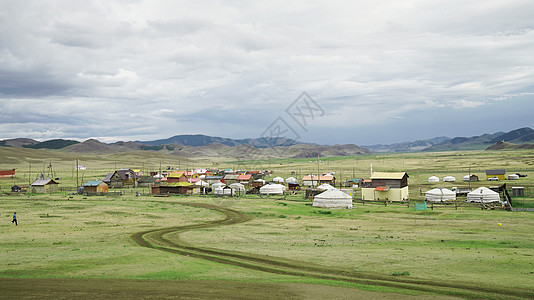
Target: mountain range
(480, 142)
(191, 146)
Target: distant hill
(51, 144)
(418, 145)
(509, 146)
(94, 146)
(198, 140)
(520, 136)
(19, 142)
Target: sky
(328, 72)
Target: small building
(353, 182)
(7, 173)
(499, 173)
(472, 178)
(244, 179)
(183, 188)
(42, 186)
(293, 186)
(213, 179)
(176, 176)
(314, 180)
(387, 186)
(95, 187)
(121, 178)
(230, 178)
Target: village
(387, 187)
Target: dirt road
(167, 239)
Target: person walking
(15, 219)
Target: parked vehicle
(494, 178)
(521, 175)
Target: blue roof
(93, 183)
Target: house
(176, 176)
(472, 177)
(121, 178)
(244, 179)
(213, 179)
(499, 173)
(387, 186)
(184, 188)
(230, 178)
(41, 186)
(95, 187)
(311, 180)
(7, 173)
(353, 182)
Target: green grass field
(78, 237)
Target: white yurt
(433, 179)
(272, 189)
(326, 186)
(513, 177)
(466, 178)
(278, 179)
(222, 191)
(291, 180)
(202, 176)
(332, 199)
(237, 187)
(217, 185)
(157, 176)
(202, 183)
(449, 179)
(261, 181)
(440, 195)
(483, 195)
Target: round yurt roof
(157, 176)
(483, 194)
(278, 179)
(272, 189)
(332, 198)
(440, 195)
(466, 177)
(202, 183)
(449, 179)
(202, 176)
(433, 179)
(291, 180)
(326, 186)
(218, 185)
(237, 186)
(513, 177)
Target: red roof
(382, 188)
(244, 177)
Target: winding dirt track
(159, 239)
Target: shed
(230, 178)
(95, 187)
(440, 195)
(42, 186)
(314, 180)
(499, 173)
(472, 177)
(332, 199)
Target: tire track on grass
(156, 239)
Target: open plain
(69, 246)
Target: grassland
(90, 238)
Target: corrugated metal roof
(244, 177)
(322, 177)
(43, 182)
(388, 175)
(184, 184)
(231, 177)
(176, 174)
(93, 183)
(495, 172)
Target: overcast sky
(378, 71)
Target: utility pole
(77, 183)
